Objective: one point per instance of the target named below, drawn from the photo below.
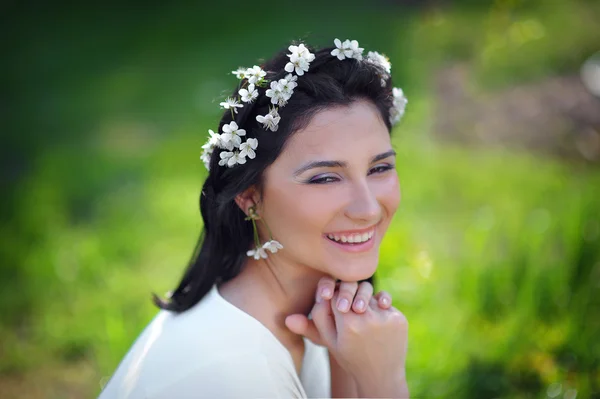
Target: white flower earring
(261, 251)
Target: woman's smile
(353, 240)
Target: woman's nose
(363, 204)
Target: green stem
(268, 229)
(256, 239)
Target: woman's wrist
(393, 385)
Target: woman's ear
(247, 199)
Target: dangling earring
(271, 245)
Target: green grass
(494, 254)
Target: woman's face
(330, 196)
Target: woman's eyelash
(331, 179)
(381, 168)
(322, 180)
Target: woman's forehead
(339, 130)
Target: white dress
(215, 350)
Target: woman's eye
(323, 179)
(381, 168)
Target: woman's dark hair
(221, 249)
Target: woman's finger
(345, 296)
(325, 288)
(384, 299)
(362, 297)
(323, 320)
(302, 325)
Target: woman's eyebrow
(338, 164)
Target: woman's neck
(270, 293)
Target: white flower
(399, 105)
(231, 103)
(205, 157)
(232, 134)
(255, 74)
(300, 58)
(257, 253)
(339, 51)
(287, 86)
(277, 94)
(291, 78)
(216, 140)
(297, 64)
(225, 156)
(302, 52)
(247, 148)
(356, 51)
(347, 49)
(248, 95)
(240, 73)
(270, 121)
(236, 158)
(379, 59)
(272, 246)
(230, 158)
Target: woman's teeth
(352, 238)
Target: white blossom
(291, 78)
(356, 51)
(232, 134)
(297, 64)
(379, 59)
(230, 158)
(287, 86)
(225, 156)
(231, 103)
(236, 158)
(272, 246)
(248, 95)
(240, 73)
(340, 50)
(255, 74)
(247, 148)
(302, 52)
(278, 95)
(216, 140)
(300, 58)
(347, 49)
(399, 105)
(205, 157)
(270, 121)
(257, 253)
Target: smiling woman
(277, 299)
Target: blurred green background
(494, 254)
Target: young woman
(277, 300)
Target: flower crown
(233, 150)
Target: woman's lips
(353, 242)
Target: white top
(215, 350)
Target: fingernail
(343, 305)
(360, 304)
(325, 292)
(385, 301)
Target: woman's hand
(370, 345)
(353, 297)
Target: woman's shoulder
(200, 341)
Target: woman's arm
(343, 384)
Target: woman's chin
(355, 272)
